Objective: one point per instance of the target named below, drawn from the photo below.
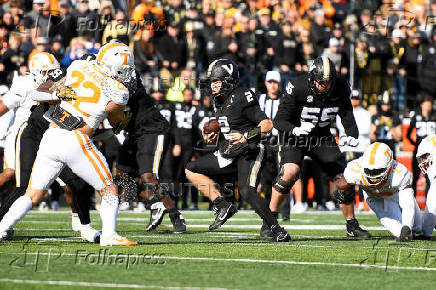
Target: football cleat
(88, 233)
(299, 207)
(75, 223)
(265, 231)
(9, 235)
(222, 215)
(158, 210)
(43, 206)
(179, 223)
(124, 206)
(3, 236)
(355, 231)
(405, 235)
(140, 207)
(279, 234)
(116, 240)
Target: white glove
(304, 129)
(348, 141)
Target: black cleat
(179, 223)
(355, 231)
(158, 211)
(279, 234)
(265, 231)
(405, 235)
(222, 215)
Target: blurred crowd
(386, 50)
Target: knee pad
(281, 185)
(344, 196)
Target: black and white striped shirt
(270, 107)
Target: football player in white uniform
(19, 99)
(425, 156)
(100, 94)
(387, 187)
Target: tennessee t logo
(65, 115)
(126, 57)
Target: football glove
(303, 130)
(66, 94)
(348, 141)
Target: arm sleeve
(347, 117)
(287, 108)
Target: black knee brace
(281, 185)
(344, 196)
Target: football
(213, 126)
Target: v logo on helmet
(228, 68)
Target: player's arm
(118, 117)
(347, 117)
(286, 112)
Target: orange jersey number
(87, 85)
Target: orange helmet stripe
(50, 57)
(105, 49)
(372, 154)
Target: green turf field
(46, 254)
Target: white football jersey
(18, 99)
(398, 179)
(94, 91)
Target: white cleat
(88, 233)
(330, 205)
(116, 240)
(299, 207)
(3, 236)
(140, 207)
(76, 226)
(9, 235)
(124, 206)
(43, 206)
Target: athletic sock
(10, 199)
(17, 211)
(220, 202)
(259, 205)
(108, 214)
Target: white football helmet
(424, 155)
(377, 162)
(116, 60)
(40, 64)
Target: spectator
(334, 52)
(105, 18)
(412, 59)
(145, 58)
(319, 32)
(225, 43)
(66, 27)
(42, 45)
(398, 48)
(195, 48)
(172, 48)
(272, 36)
(57, 49)
(287, 57)
(306, 52)
(428, 67)
(14, 59)
(39, 16)
(118, 29)
(76, 51)
(86, 19)
(209, 32)
(424, 121)
(386, 125)
(175, 93)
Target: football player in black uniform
(309, 105)
(141, 153)
(239, 150)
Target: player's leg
(332, 161)
(406, 201)
(45, 170)
(429, 215)
(390, 218)
(198, 172)
(248, 179)
(89, 164)
(81, 203)
(8, 172)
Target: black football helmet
(226, 71)
(322, 71)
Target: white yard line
(95, 284)
(284, 262)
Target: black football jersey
(299, 104)
(240, 112)
(424, 127)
